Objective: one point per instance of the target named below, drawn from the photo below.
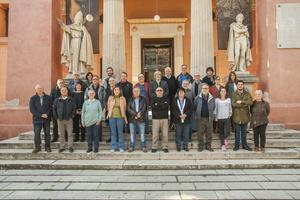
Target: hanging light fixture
(89, 17)
(156, 17)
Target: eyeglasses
(158, 90)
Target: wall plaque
(288, 25)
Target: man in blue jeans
(40, 106)
(241, 102)
(137, 110)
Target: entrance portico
(147, 28)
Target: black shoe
(71, 150)
(154, 150)
(76, 140)
(54, 140)
(36, 150)
(165, 150)
(61, 150)
(200, 149)
(247, 148)
(89, 150)
(96, 151)
(236, 148)
(82, 140)
(186, 149)
(108, 141)
(209, 149)
(178, 149)
(48, 149)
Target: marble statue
(239, 52)
(76, 48)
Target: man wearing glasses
(204, 106)
(160, 108)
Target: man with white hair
(158, 82)
(40, 106)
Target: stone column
(113, 37)
(202, 45)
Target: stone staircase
(282, 151)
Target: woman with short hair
(91, 116)
(260, 111)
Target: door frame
(167, 41)
(148, 28)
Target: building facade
(127, 38)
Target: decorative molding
(156, 30)
(161, 21)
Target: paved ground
(156, 184)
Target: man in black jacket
(40, 106)
(184, 75)
(160, 108)
(209, 79)
(173, 87)
(64, 109)
(137, 110)
(125, 86)
(55, 93)
(158, 82)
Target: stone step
(270, 134)
(25, 154)
(150, 164)
(271, 127)
(15, 143)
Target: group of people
(185, 103)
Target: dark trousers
(172, 117)
(205, 127)
(260, 134)
(93, 137)
(182, 134)
(224, 129)
(77, 127)
(37, 129)
(55, 129)
(241, 132)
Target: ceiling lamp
(156, 17)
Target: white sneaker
(112, 151)
(121, 150)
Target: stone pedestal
(202, 44)
(113, 37)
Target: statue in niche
(76, 48)
(239, 52)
